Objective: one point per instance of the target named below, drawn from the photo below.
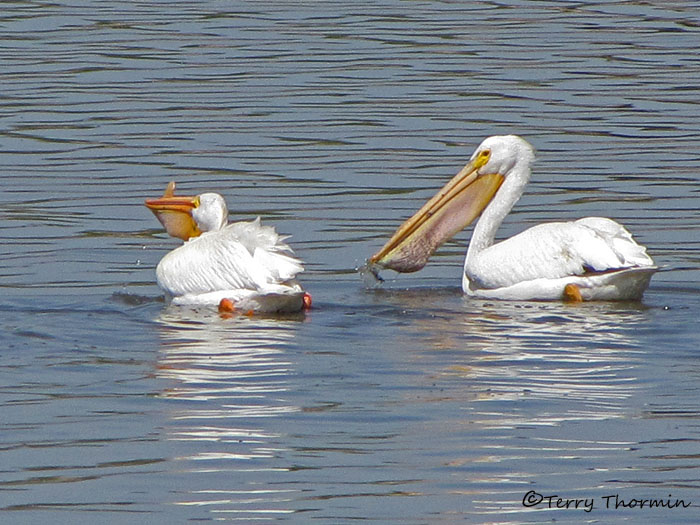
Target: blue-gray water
(334, 121)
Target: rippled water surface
(404, 403)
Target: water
(333, 121)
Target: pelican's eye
(195, 201)
(482, 158)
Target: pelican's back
(240, 259)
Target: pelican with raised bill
(593, 258)
(242, 266)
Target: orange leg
(226, 307)
(307, 301)
(572, 293)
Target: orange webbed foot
(307, 301)
(572, 293)
(226, 308)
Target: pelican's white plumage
(596, 256)
(244, 262)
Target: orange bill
(175, 213)
(451, 210)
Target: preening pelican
(243, 265)
(589, 259)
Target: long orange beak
(175, 213)
(451, 210)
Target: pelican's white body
(596, 254)
(245, 262)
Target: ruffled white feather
(245, 262)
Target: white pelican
(243, 266)
(589, 259)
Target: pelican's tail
(620, 240)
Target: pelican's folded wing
(242, 256)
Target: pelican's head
(502, 153)
(456, 205)
(188, 217)
(210, 212)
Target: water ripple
(334, 122)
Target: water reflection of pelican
(578, 361)
(527, 394)
(227, 377)
(237, 366)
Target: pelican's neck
(212, 229)
(497, 210)
(211, 215)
